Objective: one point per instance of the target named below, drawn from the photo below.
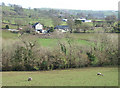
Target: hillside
(14, 15)
(23, 17)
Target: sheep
(29, 79)
(99, 74)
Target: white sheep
(99, 74)
(29, 79)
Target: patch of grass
(64, 23)
(8, 35)
(97, 30)
(7, 8)
(89, 23)
(70, 77)
(54, 42)
(47, 42)
(84, 42)
(83, 36)
(10, 26)
(100, 20)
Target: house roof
(62, 27)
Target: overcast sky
(67, 4)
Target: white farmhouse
(38, 27)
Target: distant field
(78, 38)
(69, 77)
(54, 42)
(8, 35)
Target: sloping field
(69, 77)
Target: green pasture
(84, 39)
(54, 42)
(8, 35)
(77, 38)
(69, 77)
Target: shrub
(6, 27)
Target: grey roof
(62, 27)
(35, 24)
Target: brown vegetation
(27, 55)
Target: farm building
(13, 30)
(65, 20)
(38, 27)
(62, 28)
(83, 20)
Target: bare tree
(19, 22)
(111, 19)
(71, 24)
(56, 21)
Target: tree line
(27, 55)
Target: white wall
(39, 26)
(88, 21)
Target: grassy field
(77, 38)
(54, 42)
(69, 77)
(8, 35)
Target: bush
(6, 27)
(51, 29)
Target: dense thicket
(27, 55)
